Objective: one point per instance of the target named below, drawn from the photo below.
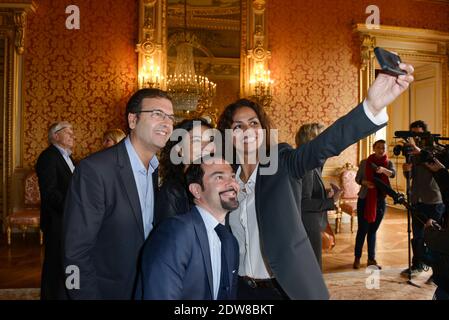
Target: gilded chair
(29, 215)
(348, 199)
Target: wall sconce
(150, 74)
(260, 85)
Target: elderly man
(54, 169)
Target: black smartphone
(389, 62)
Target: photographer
(425, 198)
(438, 240)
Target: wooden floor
(391, 244)
(20, 264)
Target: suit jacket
(176, 263)
(284, 241)
(314, 197)
(54, 178)
(103, 225)
(314, 206)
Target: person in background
(316, 201)
(371, 202)
(437, 239)
(112, 137)
(54, 170)
(425, 197)
(173, 196)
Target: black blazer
(284, 241)
(314, 196)
(176, 263)
(54, 178)
(103, 227)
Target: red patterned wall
(314, 56)
(84, 76)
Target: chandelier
(187, 89)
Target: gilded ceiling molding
(14, 14)
(256, 55)
(19, 22)
(152, 46)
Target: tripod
(399, 198)
(406, 203)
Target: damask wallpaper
(84, 76)
(314, 59)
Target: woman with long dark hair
(276, 258)
(172, 197)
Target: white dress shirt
(66, 155)
(243, 221)
(144, 184)
(214, 247)
(244, 225)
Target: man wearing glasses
(109, 209)
(54, 169)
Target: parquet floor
(20, 263)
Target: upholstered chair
(28, 216)
(348, 199)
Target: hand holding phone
(389, 62)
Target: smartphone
(389, 62)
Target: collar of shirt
(209, 219)
(247, 187)
(65, 152)
(136, 163)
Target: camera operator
(425, 198)
(438, 240)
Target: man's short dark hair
(419, 124)
(379, 141)
(194, 174)
(135, 102)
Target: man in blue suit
(193, 255)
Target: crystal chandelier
(187, 89)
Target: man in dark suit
(193, 255)
(110, 203)
(54, 169)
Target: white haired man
(54, 169)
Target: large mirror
(203, 36)
(223, 40)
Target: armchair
(29, 215)
(349, 196)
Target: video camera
(430, 145)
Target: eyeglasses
(159, 115)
